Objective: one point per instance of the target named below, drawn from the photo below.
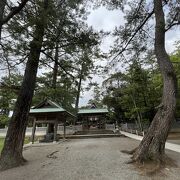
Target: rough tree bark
(152, 147)
(11, 155)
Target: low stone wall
(42, 130)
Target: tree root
(152, 167)
(52, 155)
(129, 152)
(130, 161)
(156, 169)
(12, 163)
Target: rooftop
(48, 106)
(46, 110)
(93, 111)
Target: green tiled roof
(92, 111)
(46, 110)
(53, 107)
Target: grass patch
(1, 143)
(26, 141)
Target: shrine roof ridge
(96, 110)
(41, 110)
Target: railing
(110, 126)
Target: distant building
(93, 117)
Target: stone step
(93, 136)
(103, 131)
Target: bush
(3, 121)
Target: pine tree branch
(14, 11)
(12, 87)
(134, 34)
(173, 23)
(59, 64)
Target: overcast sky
(103, 19)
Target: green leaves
(133, 94)
(4, 119)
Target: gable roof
(47, 103)
(44, 110)
(48, 106)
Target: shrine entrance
(92, 119)
(50, 113)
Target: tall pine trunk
(11, 155)
(153, 144)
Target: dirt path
(84, 159)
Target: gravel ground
(84, 159)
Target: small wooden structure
(48, 112)
(94, 118)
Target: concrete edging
(169, 146)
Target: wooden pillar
(98, 121)
(47, 128)
(33, 130)
(64, 134)
(87, 123)
(55, 130)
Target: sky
(107, 20)
(103, 19)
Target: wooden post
(136, 132)
(33, 130)
(64, 135)
(55, 130)
(104, 117)
(47, 127)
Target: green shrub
(3, 121)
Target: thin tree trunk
(153, 144)
(79, 88)
(55, 69)
(139, 119)
(54, 82)
(11, 155)
(78, 93)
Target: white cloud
(103, 19)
